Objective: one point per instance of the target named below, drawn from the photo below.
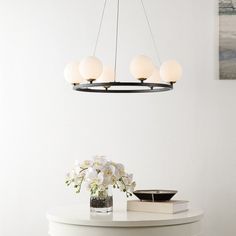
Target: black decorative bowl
(154, 195)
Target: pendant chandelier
(90, 75)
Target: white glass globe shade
(155, 77)
(107, 75)
(171, 71)
(72, 74)
(90, 68)
(141, 67)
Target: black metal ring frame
(108, 87)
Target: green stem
(82, 170)
(78, 190)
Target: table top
(78, 215)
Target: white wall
(183, 139)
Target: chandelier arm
(99, 28)
(117, 35)
(151, 33)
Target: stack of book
(169, 207)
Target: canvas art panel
(227, 39)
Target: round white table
(78, 221)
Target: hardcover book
(170, 207)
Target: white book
(170, 207)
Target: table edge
(125, 224)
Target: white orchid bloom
(128, 179)
(119, 170)
(108, 170)
(93, 177)
(120, 167)
(71, 175)
(85, 164)
(131, 187)
(77, 180)
(99, 162)
(68, 177)
(91, 173)
(106, 181)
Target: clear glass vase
(101, 201)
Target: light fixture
(90, 75)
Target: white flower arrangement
(99, 174)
